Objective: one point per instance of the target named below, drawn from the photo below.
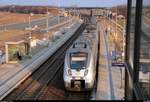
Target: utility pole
(31, 14)
(47, 23)
(29, 21)
(5, 27)
(69, 17)
(149, 85)
(58, 11)
(30, 38)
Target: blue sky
(80, 3)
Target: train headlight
(86, 72)
(69, 72)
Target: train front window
(78, 60)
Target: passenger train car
(80, 62)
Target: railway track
(77, 95)
(54, 90)
(39, 84)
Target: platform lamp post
(123, 50)
(115, 32)
(30, 36)
(115, 46)
(123, 37)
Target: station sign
(118, 64)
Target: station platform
(11, 75)
(109, 86)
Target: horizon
(64, 3)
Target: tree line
(28, 9)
